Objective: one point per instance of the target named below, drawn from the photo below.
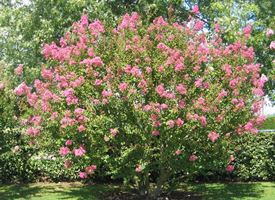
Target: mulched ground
(177, 195)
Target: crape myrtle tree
(26, 25)
(146, 103)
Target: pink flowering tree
(145, 103)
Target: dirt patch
(177, 195)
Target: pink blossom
(68, 142)
(170, 123)
(62, 42)
(272, 45)
(90, 169)
(154, 117)
(193, 158)
(228, 69)
(96, 27)
(178, 152)
(160, 89)
(79, 111)
(258, 91)
(157, 124)
(179, 67)
(114, 131)
(81, 128)
(217, 27)
(106, 93)
(181, 89)
(229, 168)
(78, 82)
(181, 104)
(162, 47)
(80, 151)
(2, 86)
(122, 86)
(201, 101)
(213, 136)
(70, 97)
(54, 115)
(147, 107)
(97, 61)
(135, 71)
(98, 82)
(163, 106)
(83, 175)
(222, 94)
(36, 120)
(129, 21)
(148, 70)
(249, 126)
(247, 30)
(203, 120)
(198, 25)
(262, 81)
(196, 9)
(160, 21)
(269, 32)
(138, 168)
(22, 89)
(19, 70)
(160, 69)
(155, 132)
(47, 74)
(84, 20)
(179, 122)
(63, 151)
(233, 83)
(32, 131)
(206, 85)
(91, 52)
(234, 101)
(198, 82)
(260, 119)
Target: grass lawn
(215, 191)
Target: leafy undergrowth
(49, 191)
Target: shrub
(255, 157)
(144, 103)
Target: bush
(255, 157)
(145, 103)
(15, 164)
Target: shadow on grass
(17, 191)
(91, 192)
(78, 191)
(229, 191)
(54, 191)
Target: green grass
(78, 191)
(236, 191)
(53, 191)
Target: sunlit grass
(215, 191)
